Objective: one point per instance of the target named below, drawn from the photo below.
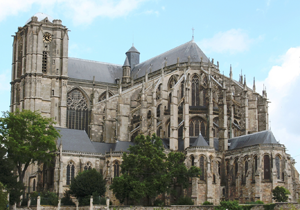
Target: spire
(254, 88)
(245, 83)
(126, 62)
(230, 74)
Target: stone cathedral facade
(219, 123)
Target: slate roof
(182, 52)
(262, 137)
(200, 142)
(126, 63)
(75, 140)
(133, 49)
(86, 69)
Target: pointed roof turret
(200, 142)
(133, 49)
(126, 62)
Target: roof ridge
(251, 134)
(166, 52)
(95, 61)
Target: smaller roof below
(40, 16)
(133, 49)
(75, 140)
(262, 137)
(126, 63)
(200, 142)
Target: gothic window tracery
(77, 111)
(197, 125)
(88, 166)
(70, 172)
(172, 82)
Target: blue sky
(259, 38)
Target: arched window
(103, 96)
(202, 168)
(227, 168)
(266, 167)
(255, 163)
(214, 179)
(116, 169)
(169, 129)
(197, 124)
(246, 167)
(158, 111)
(193, 160)
(195, 91)
(158, 92)
(88, 166)
(158, 131)
(277, 163)
(78, 114)
(172, 82)
(219, 168)
(70, 172)
(180, 131)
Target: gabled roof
(262, 137)
(40, 16)
(182, 52)
(86, 69)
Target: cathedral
(220, 124)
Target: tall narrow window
(197, 125)
(180, 131)
(236, 167)
(277, 163)
(20, 58)
(246, 167)
(255, 162)
(202, 129)
(266, 167)
(193, 160)
(70, 172)
(195, 91)
(33, 186)
(182, 89)
(219, 168)
(202, 168)
(44, 62)
(78, 114)
(214, 179)
(116, 169)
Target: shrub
(66, 200)
(207, 203)
(49, 198)
(232, 205)
(184, 201)
(259, 202)
(158, 202)
(280, 194)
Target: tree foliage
(87, 183)
(280, 194)
(232, 205)
(8, 179)
(27, 137)
(3, 197)
(147, 171)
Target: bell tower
(40, 68)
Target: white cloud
(151, 12)
(283, 86)
(81, 11)
(232, 41)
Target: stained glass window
(266, 167)
(277, 163)
(202, 168)
(70, 172)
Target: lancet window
(266, 167)
(78, 113)
(277, 163)
(202, 168)
(197, 125)
(193, 160)
(195, 91)
(70, 172)
(116, 169)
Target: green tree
(87, 183)
(147, 171)
(3, 197)
(8, 179)
(232, 205)
(280, 194)
(27, 137)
